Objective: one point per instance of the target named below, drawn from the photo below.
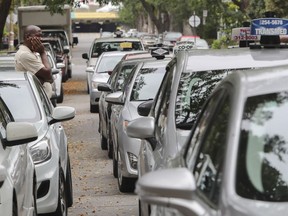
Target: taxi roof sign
(269, 26)
(243, 34)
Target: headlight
(133, 160)
(41, 151)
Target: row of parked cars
(35, 172)
(207, 135)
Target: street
(95, 189)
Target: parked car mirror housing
(62, 113)
(55, 71)
(60, 65)
(141, 128)
(85, 56)
(18, 133)
(66, 49)
(105, 87)
(89, 70)
(169, 187)
(75, 40)
(115, 98)
(144, 108)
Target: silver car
(17, 170)
(27, 101)
(115, 83)
(141, 85)
(235, 161)
(191, 77)
(100, 45)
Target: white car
(27, 101)
(100, 74)
(57, 77)
(100, 45)
(17, 171)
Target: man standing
(31, 56)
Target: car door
(205, 155)
(15, 160)
(151, 150)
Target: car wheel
(15, 207)
(94, 108)
(109, 145)
(126, 185)
(103, 142)
(61, 97)
(88, 92)
(69, 185)
(115, 166)
(35, 195)
(62, 199)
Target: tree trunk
(158, 21)
(5, 6)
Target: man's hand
(37, 45)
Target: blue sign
(269, 26)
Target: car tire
(69, 185)
(62, 198)
(103, 142)
(125, 184)
(88, 92)
(14, 207)
(109, 145)
(61, 97)
(35, 195)
(115, 167)
(94, 108)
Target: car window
(100, 47)
(5, 118)
(193, 90)
(123, 76)
(20, 100)
(263, 149)
(107, 63)
(147, 83)
(43, 96)
(211, 135)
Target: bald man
(31, 56)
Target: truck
(39, 15)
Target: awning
(100, 16)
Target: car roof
(111, 39)
(260, 80)
(13, 75)
(202, 60)
(154, 63)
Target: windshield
(108, 63)
(193, 90)
(20, 100)
(59, 34)
(100, 47)
(262, 168)
(147, 83)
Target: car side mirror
(75, 40)
(144, 108)
(85, 56)
(105, 87)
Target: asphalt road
(95, 189)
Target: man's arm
(44, 74)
